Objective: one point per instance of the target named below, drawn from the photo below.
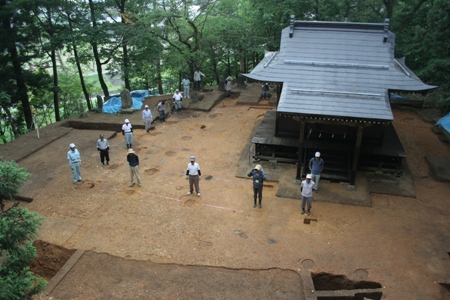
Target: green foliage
(11, 179)
(153, 43)
(92, 82)
(18, 227)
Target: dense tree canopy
(152, 44)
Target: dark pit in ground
(330, 282)
(49, 260)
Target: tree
(18, 227)
(17, 44)
(11, 179)
(95, 49)
(5, 102)
(180, 26)
(50, 20)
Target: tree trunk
(98, 63)
(159, 77)
(22, 89)
(126, 64)
(80, 71)
(126, 72)
(55, 86)
(228, 64)
(389, 6)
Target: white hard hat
(146, 106)
(317, 154)
(127, 121)
(309, 176)
(72, 145)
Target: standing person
(162, 111)
(227, 86)
(194, 174)
(103, 148)
(127, 132)
(306, 188)
(74, 158)
(198, 78)
(265, 91)
(316, 165)
(147, 117)
(177, 98)
(133, 161)
(258, 180)
(186, 82)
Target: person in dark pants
(162, 111)
(265, 91)
(103, 147)
(194, 174)
(306, 189)
(198, 79)
(258, 180)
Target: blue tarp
(395, 96)
(444, 122)
(114, 104)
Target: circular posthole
(308, 264)
(360, 274)
(151, 171)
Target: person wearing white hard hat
(127, 132)
(103, 148)
(147, 117)
(258, 179)
(316, 165)
(186, 83)
(306, 188)
(74, 158)
(177, 99)
(194, 174)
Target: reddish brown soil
(400, 242)
(50, 258)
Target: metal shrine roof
(337, 69)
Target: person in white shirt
(198, 78)
(194, 174)
(227, 86)
(103, 148)
(127, 132)
(185, 83)
(307, 188)
(147, 117)
(177, 98)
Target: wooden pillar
(356, 155)
(301, 141)
(279, 88)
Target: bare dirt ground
(401, 242)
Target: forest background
(57, 55)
